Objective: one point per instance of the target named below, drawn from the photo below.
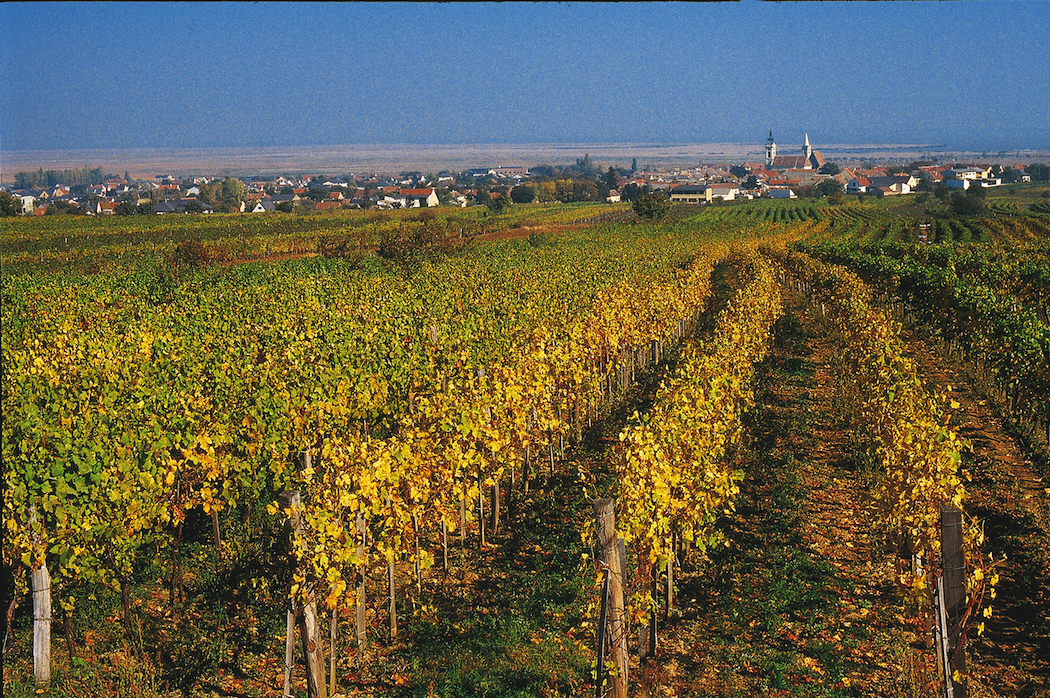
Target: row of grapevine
(673, 464)
(899, 424)
(124, 412)
(674, 475)
(109, 244)
(1008, 341)
(371, 506)
(1021, 271)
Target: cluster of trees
(51, 178)
(584, 180)
(225, 196)
(8, 205)
(833, 190)
(1038, 172)
(653, 205)
(564, 190)
(970, 202)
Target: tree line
(50, 178)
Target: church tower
(807, 149)
(771, 150)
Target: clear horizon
(971, 76)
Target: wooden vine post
(41, 580)
(362, 601)
(333, 627)
(289, 647)
(953, 570)
(653, 595)
(616, 626)
(391, 569)
(309, 627)
(670, 579)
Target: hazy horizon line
(263, 160)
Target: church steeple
(807, 149)
(771, 150)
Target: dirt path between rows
(803, 601)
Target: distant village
(804, 172)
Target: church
(809, 159)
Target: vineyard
(362, 454)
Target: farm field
(778, 396)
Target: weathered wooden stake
(940, 638)
(41, 580)
(289, 648)
(496, 505)
(176, 569)
(481, 511)
(333, 628)
(603, 633)
(444, 549)
(309, 628)
(608, 546)
(313, 651)
(463, 524)
(362, 602)
(391, 569)
(953, 567)
(652, 614)
(577, 420)
(393, 602)
(526, 469)
(670, 581)
(216, 538)
(417, 568)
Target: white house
(261, 206)
(965, 173)
(416, 198)
(858, 185)
(726, 192)
(27, 203)
(897, 184)
(782, 193)
(387, 202)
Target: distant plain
(143, 163)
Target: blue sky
(971, 75)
